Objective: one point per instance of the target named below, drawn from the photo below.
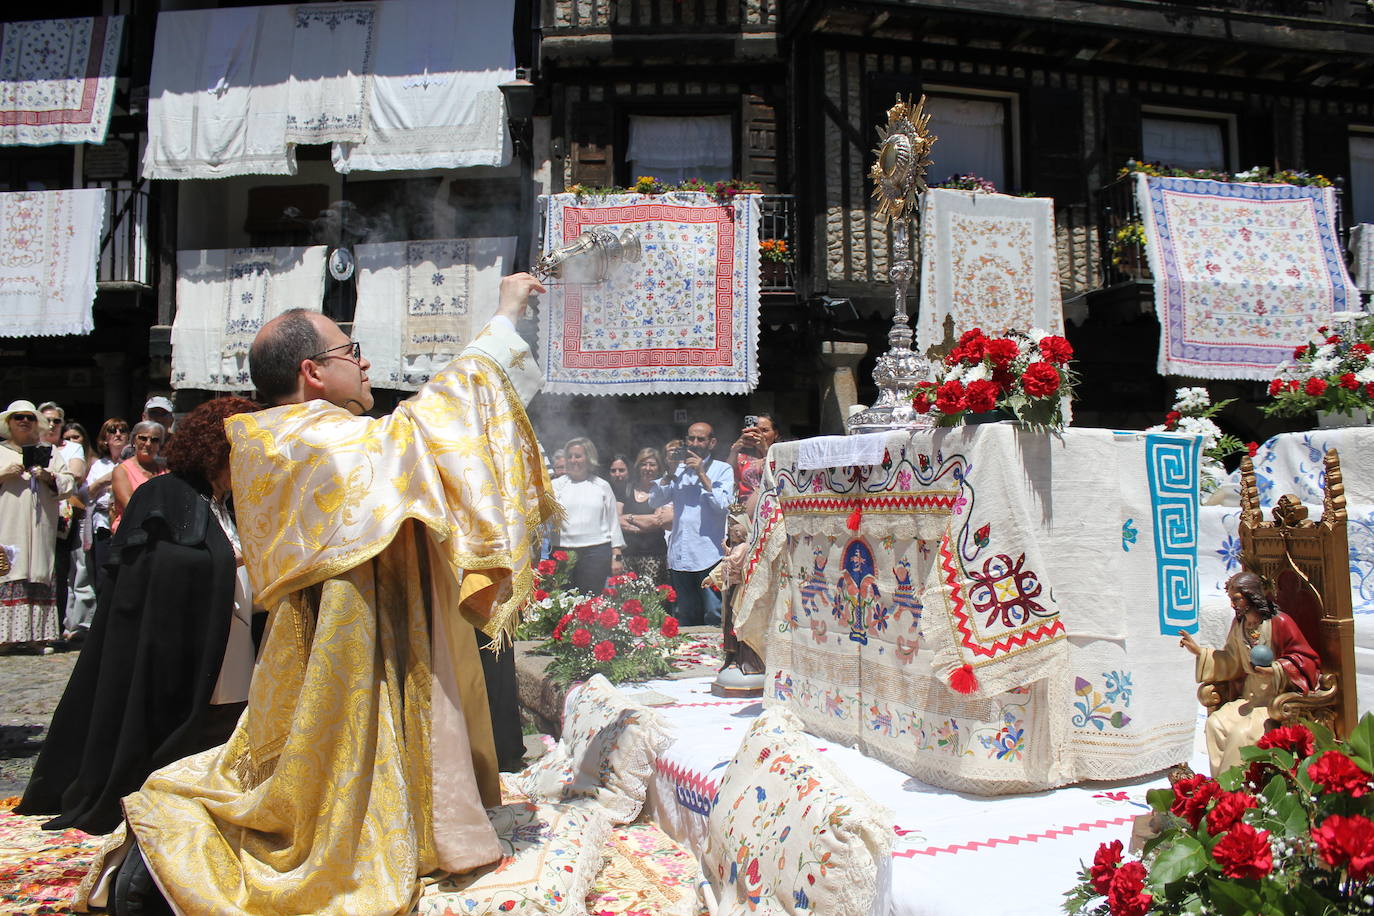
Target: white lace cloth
(1362, 249)
(57, 79)
(224, 296)
(988, 260)
(331, 66)
(49, 246)
(433, 101)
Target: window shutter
(593, 149)
(1056, 145)
(758, 156)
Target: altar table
(984, 608)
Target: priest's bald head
(302, 355)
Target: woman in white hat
(32, 486)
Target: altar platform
(954, 854)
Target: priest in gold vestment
(365, 757)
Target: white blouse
(591, 516)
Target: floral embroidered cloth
(57, 79)
(1037, 572)
(1243, 272)
(40, 869)
(989, 261)
(684, 319)
(433, 101)
(49, 247)
(646, 874)
(331, 65)
(224, 296)
(419, 303)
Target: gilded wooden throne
(1305, 566)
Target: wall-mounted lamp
(519, 96)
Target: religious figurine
(1265, 655)
(741, 671)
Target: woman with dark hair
(1265, 655)
(646, 550)
(164, 673)
(98, 492)
(747, 454)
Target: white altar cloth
(955, 855)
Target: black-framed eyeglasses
(151, 440)
(355, 354)
(24, 417)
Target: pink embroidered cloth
(57, 79)
(1243, 272)
(684, 319)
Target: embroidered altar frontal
(1047, 576)
(1243, 272)
(685, 319)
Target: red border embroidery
(89, 88)
(962, 622)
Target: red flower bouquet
(1027, 375)
(1333, 372)
(1290, 831)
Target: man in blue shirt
(700, 489)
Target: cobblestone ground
(30, 686)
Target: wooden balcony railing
(125, 262)
(564, 17)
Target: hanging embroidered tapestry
(684, 319)
(49, 247)
(989, 262)
(985, 608)
(421, 303)
(57, 80)
(1243, 272)
(224, 297)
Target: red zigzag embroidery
(957, 605)
(975, 845)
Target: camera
(677, 454)
(751, 421)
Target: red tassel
(854, 517)
(963, 679)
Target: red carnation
(1300, 352)
(950, 398)
(1056, 349)
(608, 592)
(1295, 738)
(540, 594)
(604, 651)
(1226, 813)
(669, 627)
(1315, 387)
(1275, 386)
(1294, 384)
(1349, 383)
(980, 396)
(1362, 348)
(586, 612)
(1334, 339)
(1002, 350)
(582, 637)
(562, 625)
(1252, 448)
(1369, 389)
(1244, 852)
(639, 625)
(1171, 419)
(1336, 772)
(547, 567)
(1126, 896)
(629, 576)
(1040, 380)
(1349, 842)
(1191, 797)
(632, 607)
(608, 618)
(1104, 866)
(924, 399)
(1004, 379)
(560, 555)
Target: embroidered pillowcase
(645, 873)
(605, 758)
(790, 833)
(550, 856)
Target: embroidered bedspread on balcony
(1243, 272)
(684, 319)
(49, 246)
(57, 80)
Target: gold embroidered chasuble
(365, 756)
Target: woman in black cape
(140, 696)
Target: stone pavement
(30, 686)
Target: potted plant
(1127, 249)
(773, 260)
(1192, 412)
(1332, 374)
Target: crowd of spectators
(61, 494)
(662, 515)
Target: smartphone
(37, 456)
(751, 421)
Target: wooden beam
(877, 22)
(1020, 38)
(1230, 61)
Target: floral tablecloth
(986, 609)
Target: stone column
(839, 388)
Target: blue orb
(1261, 656)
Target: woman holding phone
(34, 480)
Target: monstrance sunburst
(901, 159)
